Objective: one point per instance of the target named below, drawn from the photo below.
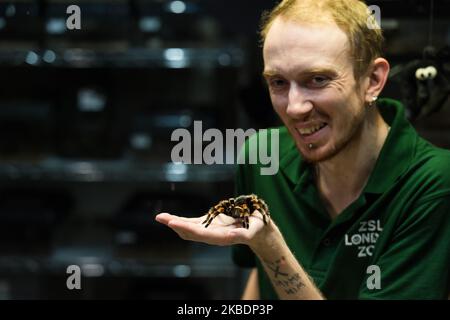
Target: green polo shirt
(399, 227)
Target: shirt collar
(398, 150)
(393, 160)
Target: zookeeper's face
(309, 73)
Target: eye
(277, 83)
(318, 81)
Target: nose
(298, 105)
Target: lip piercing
(310, 146)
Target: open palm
(222, 231)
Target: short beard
(336, 149)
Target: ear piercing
(374, 98)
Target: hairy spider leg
(242, 215)
(247, 213)
(260, 206)
(214, 212)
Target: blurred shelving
(112, 171)
(131, 58)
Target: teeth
(311, 129)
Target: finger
(187, 228)
(196, 232)
(181, 234)
(165, 218)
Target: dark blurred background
(86, 118)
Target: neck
(342, 178)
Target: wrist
(268, 241)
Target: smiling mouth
(311, 130)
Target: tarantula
(239, 208)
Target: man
(361, 205)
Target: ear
(378, 74)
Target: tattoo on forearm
(291, 283)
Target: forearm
(251, 291)
(288, 277)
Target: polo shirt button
(326, 242)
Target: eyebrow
(311, 71)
